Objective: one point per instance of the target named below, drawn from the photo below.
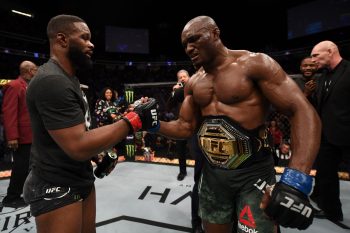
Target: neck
(219, 61)
(25, 78)
(64, 63)
(335, 62)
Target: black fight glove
(145, 116)
(289, 205)
(107, 165)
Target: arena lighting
(23, 53)
(22, 13)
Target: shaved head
(201, 40)
(324, 45)
(26, 66)
(326, 54)
(204, 21)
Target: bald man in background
(333, 106)
(18, 132)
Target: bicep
(279, 89)
(283, 93)
(188, 112)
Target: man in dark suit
(333, 106)
(18, 132)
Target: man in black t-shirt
(61, 182)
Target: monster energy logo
(129, 95)
(76, 197)
(130, 150)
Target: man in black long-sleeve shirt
(177, 96)
(333, 105)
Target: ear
(216, 33)
(62, 39)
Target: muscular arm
(185, 125)
(285, 95)
(81, 145)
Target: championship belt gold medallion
(223, 145)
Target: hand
(12, 144)
(177, 86)
(145, 115)
(310, 87)
(287, 202)
(107, 164)
(97, 158)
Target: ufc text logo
(299, 208)
(154, 117)
(53, 190)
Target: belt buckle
(223, 145)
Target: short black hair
(61, 23)
(305, 58)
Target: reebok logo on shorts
(246, 220)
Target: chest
(227, 87)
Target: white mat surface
(147, 198)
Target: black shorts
(44, 197)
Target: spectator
(307, 79)
(106, 108)
(18, 132)
(283, 154)
(276, 133)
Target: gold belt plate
(223, 145)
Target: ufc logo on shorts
(299, 208)
(53, 190)
(154, 117)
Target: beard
(79, 60)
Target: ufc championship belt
(223, 144)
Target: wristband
(297, 180)
(133, 120)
